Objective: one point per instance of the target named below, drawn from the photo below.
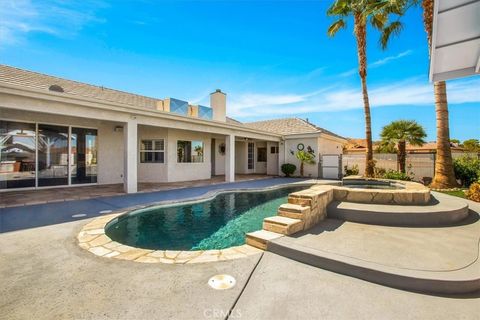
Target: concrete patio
(46, 275)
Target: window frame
(153, 150)
(192, 151)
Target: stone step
(293, 211)
(282, 225)
(259, 239)
(442, 210)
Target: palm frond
(393, 28)
(337, 25)
(378, 20)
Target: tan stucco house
(58, 132)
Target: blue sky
(272, 58)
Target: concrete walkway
(18, 218)
(283, 289)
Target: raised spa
(214, 224)
(379, 191)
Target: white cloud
(55, 17)
(410, 92)
(381, 62)
(378, 63)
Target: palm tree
(400, 133)
(444, 173)
(377, 11)
(305, 158)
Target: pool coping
(92, 236)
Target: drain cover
(222, 282)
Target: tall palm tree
(400, 133)
(376, 13)
(444, 174)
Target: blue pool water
(215, 224)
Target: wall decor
(221, 149)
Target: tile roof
(34, 80)
(288, 126)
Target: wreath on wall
(300, 146)
(221, 149)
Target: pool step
(260, 238)
(282, 225)
(293, 211)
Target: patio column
(230, 158)
(130, 156)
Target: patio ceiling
(456, 39)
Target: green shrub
(467, 169)
(288, 169)
(396, 175)
(379, 172)
(353, 171)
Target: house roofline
(119, 107)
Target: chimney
(218, 102)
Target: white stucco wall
(240, 157)
(328, 145)
(219, 158)
(110, 154)
(188, 171)
(291, 145)
(152, 172)
(272, 159)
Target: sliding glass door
(40, 155)
(17, 155)
(52, 155)
(84, 155)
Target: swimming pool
(218, 223)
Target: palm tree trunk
(361, 36)
(401, 155)
(444, 174)
(301, 168)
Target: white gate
(330, 166)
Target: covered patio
(19, 198)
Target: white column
(130, 156)
(230, 158)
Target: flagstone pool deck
(46, 275)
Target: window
(262, 155)
(152, 151)
(17, 154)
(250, 154)
(189, 151)
(273, 149)
(84, 155)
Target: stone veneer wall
(412, 194)
(317, 199)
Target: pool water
(214, 224)
(372, 186)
